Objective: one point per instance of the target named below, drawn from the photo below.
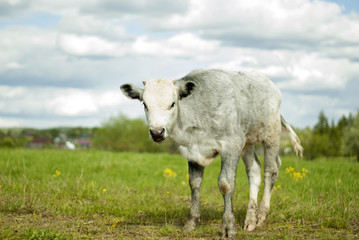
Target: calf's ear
(186, 88)
(132, 91)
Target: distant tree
(342, 123)
(324, 140)
(335, 138)
(305, 136)
(316, 145)
(13, 142)
(322, 127)
(351, 138)
(54, 132)
(78, 132)
(351, 119)
(123, 134)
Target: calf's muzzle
(157, 134)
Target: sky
(62, 62)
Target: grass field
(53, 194)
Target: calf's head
(160, 100)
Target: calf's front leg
(195, 173)
(226, 183)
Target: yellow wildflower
(339, 181)
(116, 221)
(183, 182)
(289, 169)
(168, 192)
(296, 175)
(57, 173)
(169, 173)
(104, 190)
(187, 176)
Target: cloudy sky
(62, 62)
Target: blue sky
(62, 62)
(349, 5)
(37, 19)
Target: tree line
(330, 139)
(119, 133)
(123, 134)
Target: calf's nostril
(157, 132)
(152, 132)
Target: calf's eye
(172, 105)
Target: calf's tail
(293, 138)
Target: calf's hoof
(229, 227)
(262, 216)
(250, 223)
(190, 225)
(228, 233)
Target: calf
(210, 112)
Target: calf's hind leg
(253, 169)
(195, 173)
(271, 167)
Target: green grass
(140, 203)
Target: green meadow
(56, 194)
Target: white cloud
(180, 45)
(21, 101)
(277, 23)
(136, 8)
(192, 43)
(75, 102)
(11, 92)
(23, 47)
(14, 65)
(91, 46)
(110, 99)
(11, 7)
(76, 23)
(59, 102)
(294, 70)
(312, 72)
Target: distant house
(69, 145)
(40, 142)
(83, 143)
